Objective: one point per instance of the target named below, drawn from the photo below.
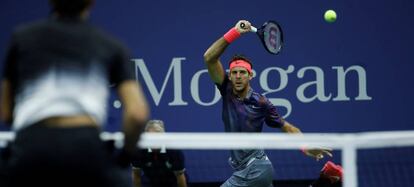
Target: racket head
(271, 35)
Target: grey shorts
(258, 173)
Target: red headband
(241, 63)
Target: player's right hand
(243, 26)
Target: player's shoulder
(105, 37)
(258, 98)
(30, 27)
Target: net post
(349, 163)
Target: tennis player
(54, 92)
(245, 110)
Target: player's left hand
(317, 153)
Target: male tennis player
(54, 91)
(245, 110)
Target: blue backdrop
(353, 75)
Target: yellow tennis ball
(330, 16)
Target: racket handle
(252, 29)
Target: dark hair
(241, 57)
(70, 7)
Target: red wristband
(231, 35)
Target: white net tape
(347, 142)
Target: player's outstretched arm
(181, 180)
(317, 153)
(136, 177)
(6, 102)
(289, 128)
(135, 112)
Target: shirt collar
(249, 93)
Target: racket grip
(253, 29)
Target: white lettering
(156, 95)
(283, 77)
(362, 83)
(268, 83)
(319, 83)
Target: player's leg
(260, 173)
(257, 173)
(234, 181)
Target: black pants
(46, 156)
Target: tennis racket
(271, 35)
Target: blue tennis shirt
(246, 115)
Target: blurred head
(240, 72)
(70, 8)
(155, 126)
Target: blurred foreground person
(54, 93)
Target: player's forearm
(136, 179)
(181, 181)
(6, 102)
(289, 128)
(135, 113)
(214, 52)
(132, 129)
